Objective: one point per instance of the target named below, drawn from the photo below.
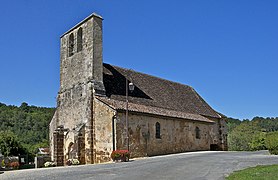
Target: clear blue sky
(226, 50)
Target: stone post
(58, 138)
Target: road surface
(206, 165)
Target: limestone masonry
(90, 120)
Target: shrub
(258, 141)
(14, 165)
(272, 142)
(49, 164)
(122, 155)
(73, 162)
(3, 163)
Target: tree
(10, 145)
(258, 141)
(232, 123)
(246, 137)
(272, 142)
(24, 107)
(28, 123)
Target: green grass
(259, 172)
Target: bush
(258, 141)
(49, 164)
(122, 155)
(3, 163)
(73, 162)
(272, 142)
(14, 165)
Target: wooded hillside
(29, 124)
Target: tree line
(251, 135)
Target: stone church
(92, 120)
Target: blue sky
(226, 50)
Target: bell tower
(81, 55)
(81, 78)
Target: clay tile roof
(154, 95)
(121, 105)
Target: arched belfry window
(197, 131)
(157, 130)
(71, 44)
(79, 40)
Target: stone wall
(223, 132)
(73, 105)
(103, 131)
(40, 160)
(176, 135)
(52, 128)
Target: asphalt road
(196, 165)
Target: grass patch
(268, 172)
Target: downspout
(114, 119)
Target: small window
(71, 44)
(79, 40)
(157, 130)
(197, 131)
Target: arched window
(71, 44)
(197, 131)
(79, 40)
(157, 130)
